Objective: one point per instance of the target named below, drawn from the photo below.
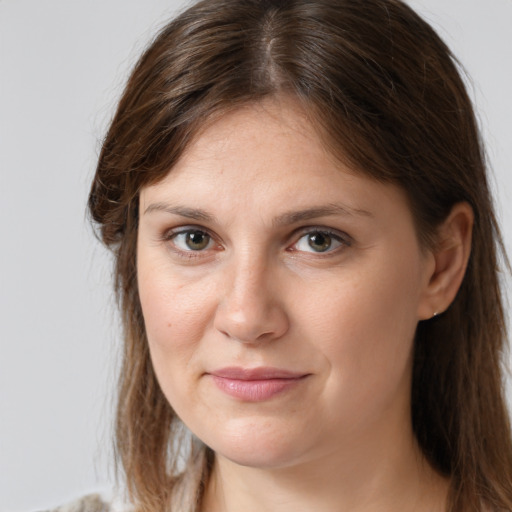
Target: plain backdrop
(62, 66)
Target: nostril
(251, 325)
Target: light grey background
(62, 66)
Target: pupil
(320, 242)
(197, 240)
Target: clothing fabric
(92, 503)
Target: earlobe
(450, 257)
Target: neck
(388, 473)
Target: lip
(255, 384)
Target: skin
(255, 290)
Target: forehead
(277, 126)
(264, 157)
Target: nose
(250, 308)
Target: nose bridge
(249, 309)
(250, 276)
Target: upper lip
(260, 373)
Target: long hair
(386, 95)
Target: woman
(306, 262)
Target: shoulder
(92, 503)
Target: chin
(258, 445)
(254, 457)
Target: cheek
(175, 321)
(373, 306)
(172, 311)
(176, 317)
(366, 329)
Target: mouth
(256, 384)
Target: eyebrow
(182, 211)
(287, 218)
(315, 212)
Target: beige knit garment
(90, 503)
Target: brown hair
(385, 93)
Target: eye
(319, 241)
(192, 240)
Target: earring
(435, 314)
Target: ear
(450, 257)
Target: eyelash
(171, 235)
(342, 239)
(339, 238)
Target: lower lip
(254, 390)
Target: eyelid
(340, 236)
(169, 234)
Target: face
(280, 291)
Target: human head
(385, 93)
